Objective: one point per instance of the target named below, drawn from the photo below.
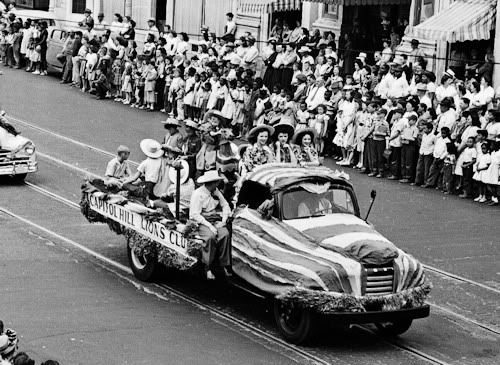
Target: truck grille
(379, 280)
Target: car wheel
(295, 324)
(19, 178)
(143, 267)
(394, 328)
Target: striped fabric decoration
(464, 20)
(268, 6)
(323, 254)
(360, 2)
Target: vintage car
(17, 153)
(298, 239)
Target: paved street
(67, 304)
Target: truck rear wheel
(143, 267)
(295, 324)
(395, 328)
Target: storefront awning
(464, 20)
(268, 6)
(360, 2)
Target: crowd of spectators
(391, 117)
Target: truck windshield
(303, 202)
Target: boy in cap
(118, 168)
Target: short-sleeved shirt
(150, 169)
(493, 131)
(117, 169)
(469, 154)
(398, 126)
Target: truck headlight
(29, 149)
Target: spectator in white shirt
(448, 116)
(316, 95)
(229, 28)
(440, 152)
(399, 87)
(152, 29)
(251, 54)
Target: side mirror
(373, 195)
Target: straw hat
(304, 49)
(184, 171)
(254, 132)
(209, 176)
(297, 138)
(122, 149)
(171, 122)
(283, 127)
(151, 148)
(192, 124)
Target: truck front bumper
(380, 316)
(18, 168)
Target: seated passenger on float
(210, 210)
(305, 151)
(259, 153)
(173, 137)
(283, 151)
(227, 165)
(118, 169)
(148, 177)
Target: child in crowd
(491, 178)
(380, 132)
(448, 168)
(409, 148)
(127, 89)
(481, 167)
(117, 74)
(469, 157)
(319, 124)
(425, 154)
(303, 116)
(150, 85)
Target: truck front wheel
(395, 328)
(295, 324)
(143, 267)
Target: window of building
(331, 11)
(79, 6)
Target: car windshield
(310, 200)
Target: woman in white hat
(259, 153)
(283, 133)
(173, 138)
(305, 151)
(150, 169)
(210, 210)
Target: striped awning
(268, 6)
(360, 2)
(464, 20)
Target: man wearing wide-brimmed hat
(150, 169)
(283, 133)
(211, 211)
(173, 138)
(191, 145)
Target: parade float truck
(17, 153)
(298, 239)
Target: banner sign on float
(153, 230)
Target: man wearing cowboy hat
(150, 169)
(283, 152)
(173, 138)
(211, 211)
(118, 168)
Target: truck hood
(349, 233)
(10, 142)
